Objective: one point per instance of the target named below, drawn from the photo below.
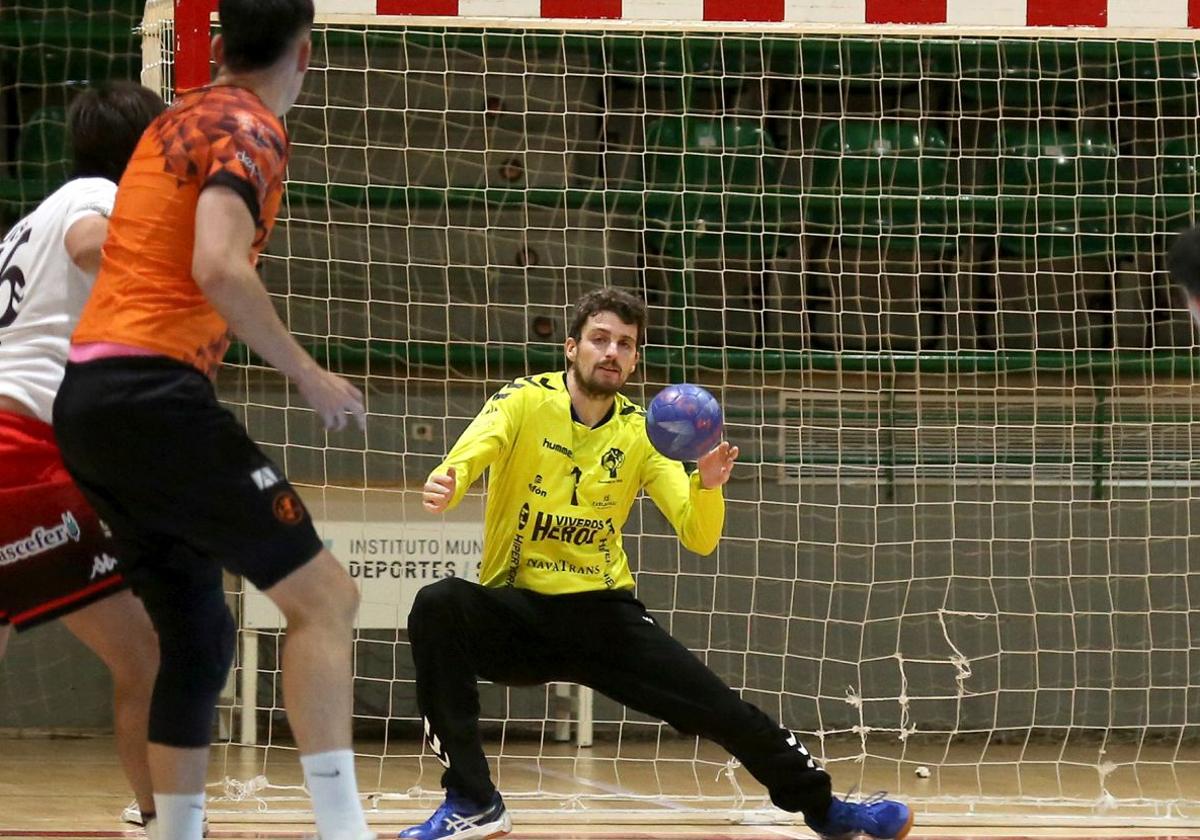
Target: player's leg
(641, 665)
(118, 631)
(73, 573)
(461, 632)
(319, 602)
(149, 435)
(4, 634)
(185, 599)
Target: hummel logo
(647, 619)
(332, 775)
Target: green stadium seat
(873, 170)
(709, 154)
(1158, 77)
(710, 224)
(700, 59)
(856, 78)
(705, 178)
(1028, 77)
(1035, 160)
(863, 60)
(660, 76)
(43, 150)
(1054, 260)
(876, 249)
(1178, 167)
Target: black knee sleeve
(196, 640)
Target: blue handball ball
(684, 422)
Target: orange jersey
(144, 295)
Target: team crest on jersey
(288, 508)
(612, 461)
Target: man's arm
(222, 269)
(489, 436)
(83, 241)
(694, 505)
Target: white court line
(607, 788)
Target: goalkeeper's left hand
(716, 465)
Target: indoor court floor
(68, 788)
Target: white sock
(334, 791)
(179, 816)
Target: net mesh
(923, 275)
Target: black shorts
(174, 474)
(55, 555)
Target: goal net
(924, 275)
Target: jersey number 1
(578, 473)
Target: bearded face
(604, 356)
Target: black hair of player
(105, 123)
(621, 303)
(257, 33)
(1183, 260)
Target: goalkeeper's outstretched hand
(716, 465)
(439, 490)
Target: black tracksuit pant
(461, 631)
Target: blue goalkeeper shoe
(883, 819)
(463, 820)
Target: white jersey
(42, 293)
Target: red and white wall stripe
(1096, 13)
(192, 16)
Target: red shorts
(55, 554)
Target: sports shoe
(884, 819)
(463, 820)
(133, 815)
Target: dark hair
(257, 32)
(105, 123)
(617, 301)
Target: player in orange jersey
(188, 494)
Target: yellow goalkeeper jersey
(559, 492)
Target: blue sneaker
(884, 819)
(463, 820)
